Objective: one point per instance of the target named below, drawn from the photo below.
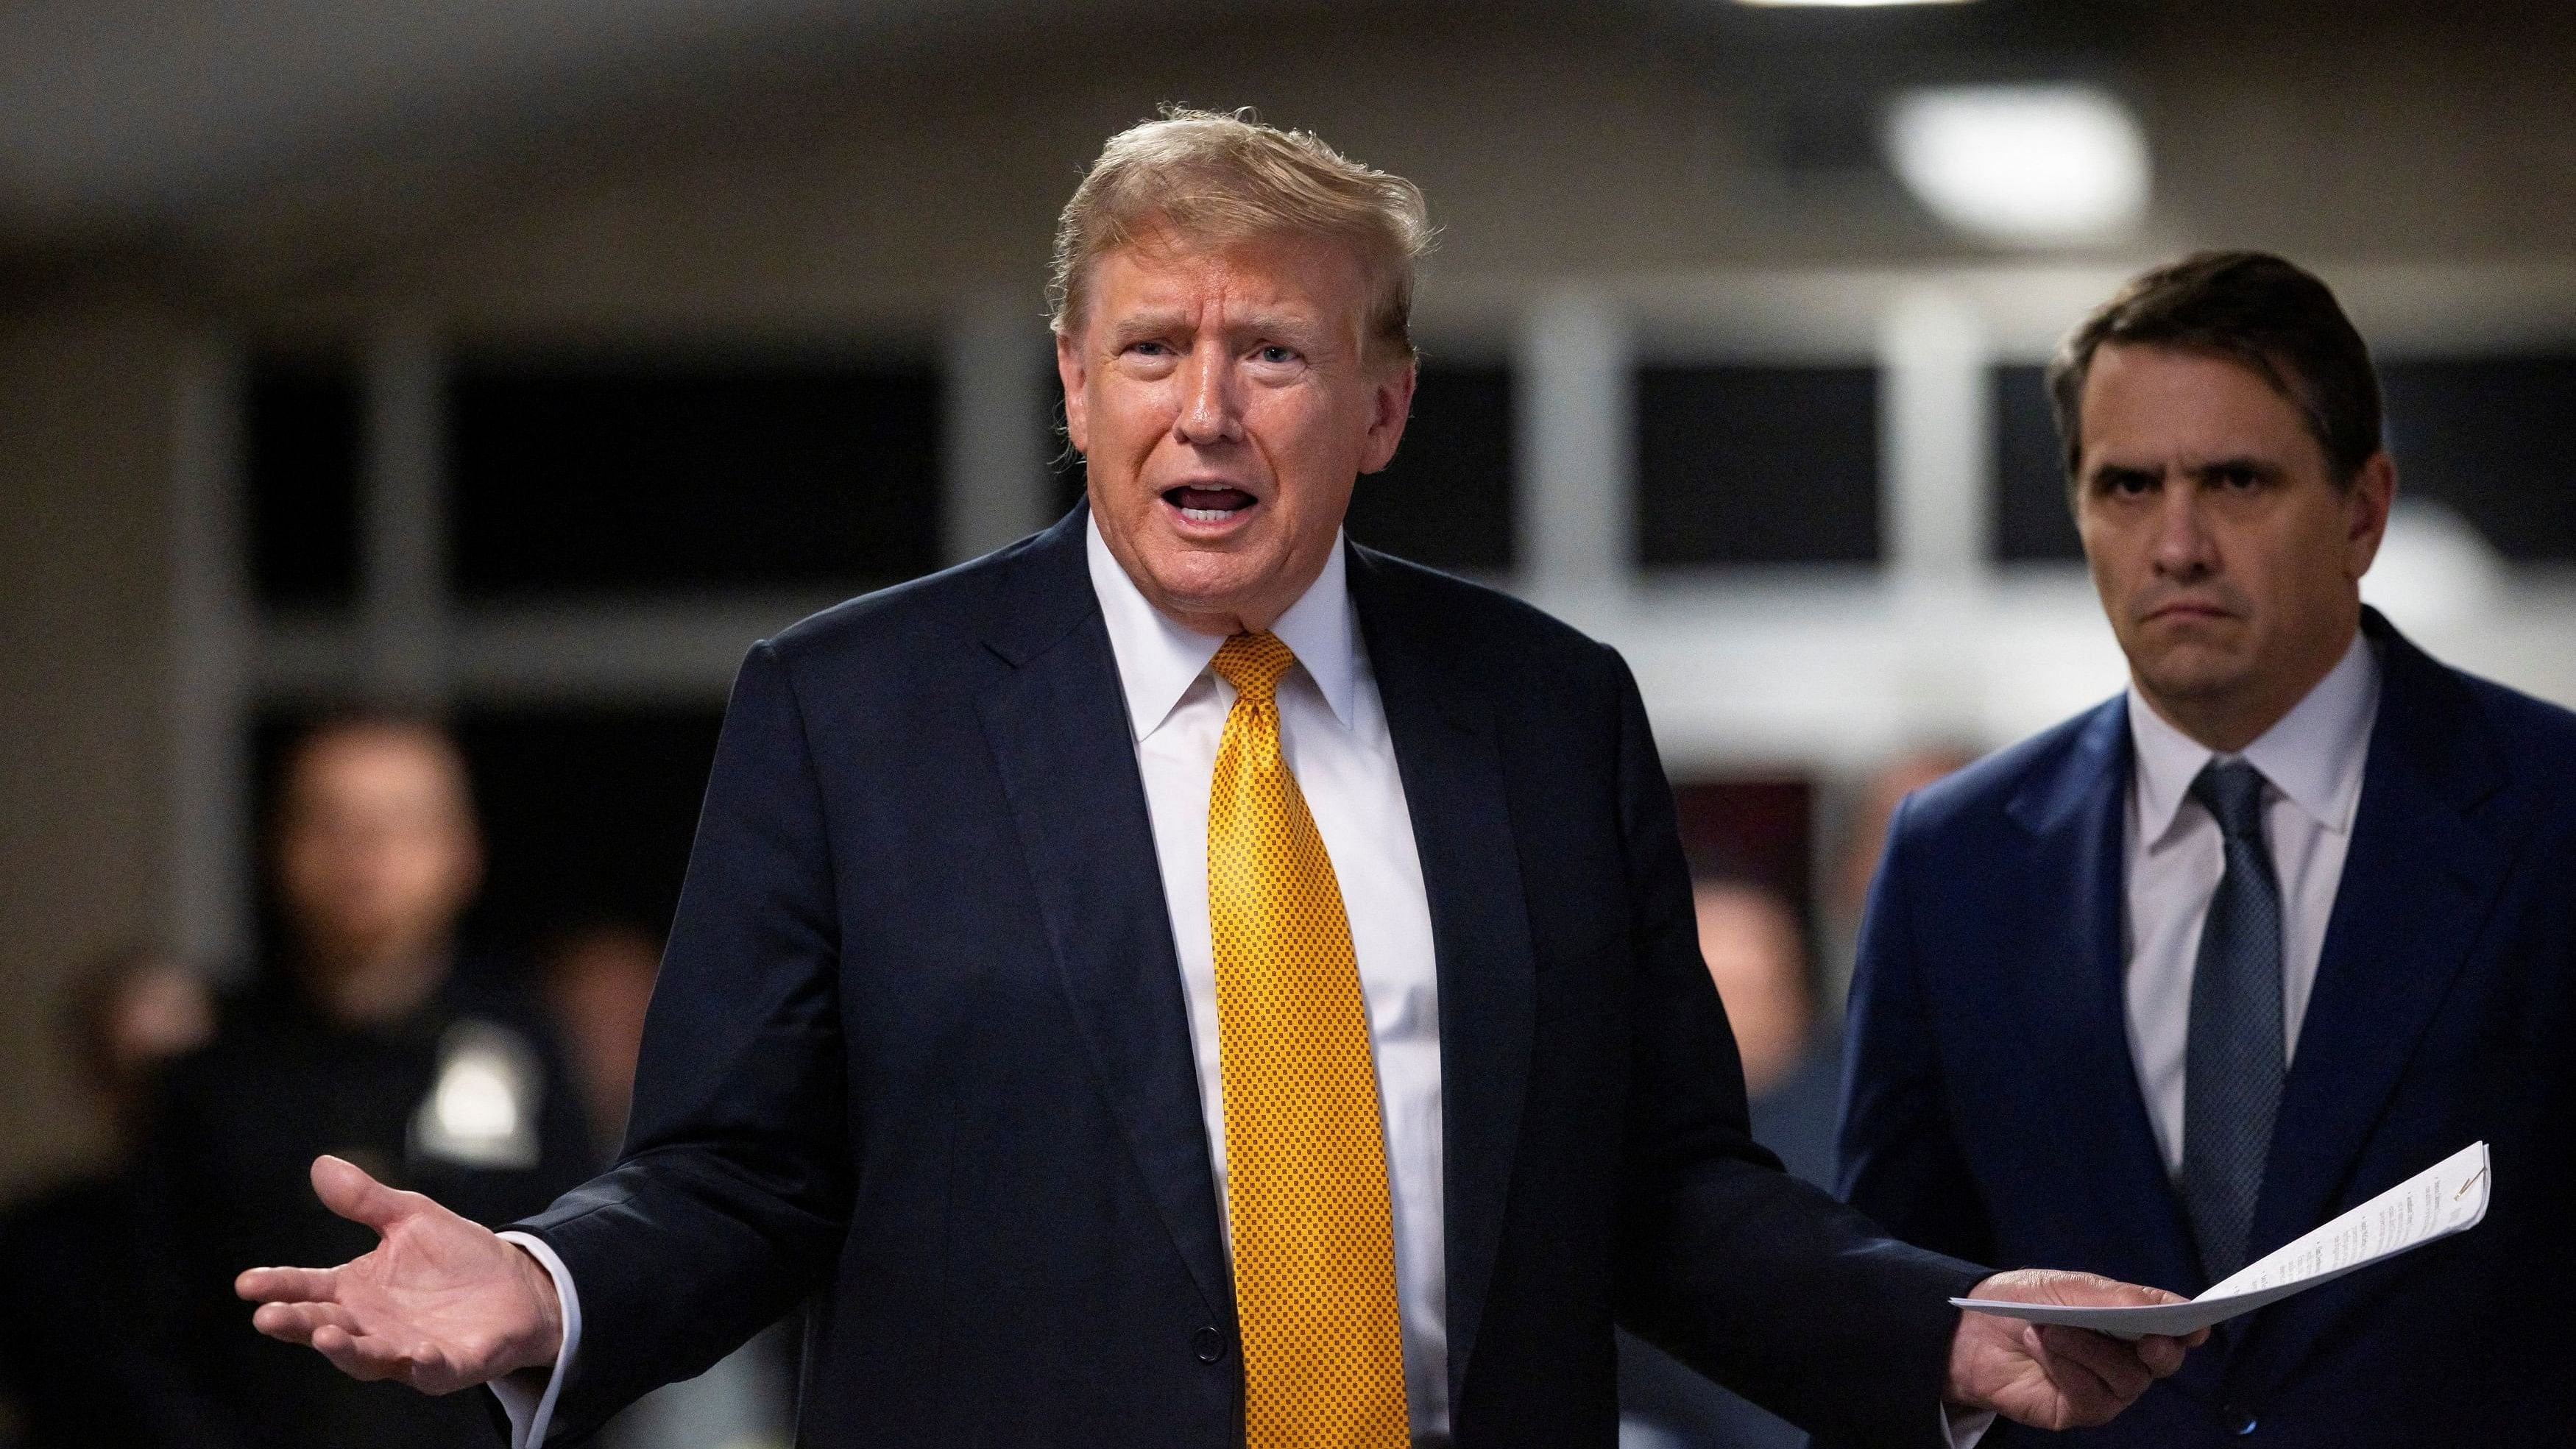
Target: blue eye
(1277, 353)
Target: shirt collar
(1158, 660)
(2313, 755)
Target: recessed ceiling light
(2030, 165)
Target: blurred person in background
(2171, 984)
(598, 981)
(1756, 952)
(370, 1037)
(1863, 842)
(85, 1332)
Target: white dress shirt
(1332, 730)
(1333, 733)
(2311, 761)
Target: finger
(298, 1322)
(2161, 1355)
(2086, 1398)
(366, 1359)
(287, 1285)
(346, 1189)
(2109, 1363)
(2112, 1361)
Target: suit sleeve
(1754, 1278)
(732, 1195)
(1901, 1162)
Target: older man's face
(1226, 401)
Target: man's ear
(1072, 370)
(1390, 407)
(2366, 504)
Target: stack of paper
(2448, 1197)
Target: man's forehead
(1298, 274)
(372, 760)
(2177, 403)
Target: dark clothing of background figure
(1994, 1109)
(919, 1048)
(86, 1335)
(239, 1125)
(1795, 1119)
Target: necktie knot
(2232, 792)
(1253, 663)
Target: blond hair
(1201, 178)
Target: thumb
(346, 1189)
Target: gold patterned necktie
(1314, 1258)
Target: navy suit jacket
(919, 1055)
(1991, 1108)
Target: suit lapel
(1453, 786)
(1057, 725)
(2418, 879)
(2068, 967)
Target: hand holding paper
(2448, 1197)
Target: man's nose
(1209, 412)
(2183, 545)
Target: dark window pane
(701, 476)
(587, 815)
(2487, 436)
(301, 458)
(1446, 500)
(2032, 521)
(1757, 465)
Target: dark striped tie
(2233, 1067)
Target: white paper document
(2448, 1197)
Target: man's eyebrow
(1146, 323)
(1286, 323)
(2104, 474)
(2259, 467)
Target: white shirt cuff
(532, 1413)
(1962, 1427)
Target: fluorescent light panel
(2028, 165)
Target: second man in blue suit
(2163, 988)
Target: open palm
(440, 1303)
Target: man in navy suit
(2180, 979)
(966, 996)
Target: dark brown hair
(2252, 308)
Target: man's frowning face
(2228, 557)
(1226, 400)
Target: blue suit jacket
(919, 1055)
(1991, 1108)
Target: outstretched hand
(2054, 1377)
(440, 1304)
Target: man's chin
(1206, 582)
(2190, 674)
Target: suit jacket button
(1208, 1344)
(2239, 1421)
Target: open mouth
(1208, 505)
